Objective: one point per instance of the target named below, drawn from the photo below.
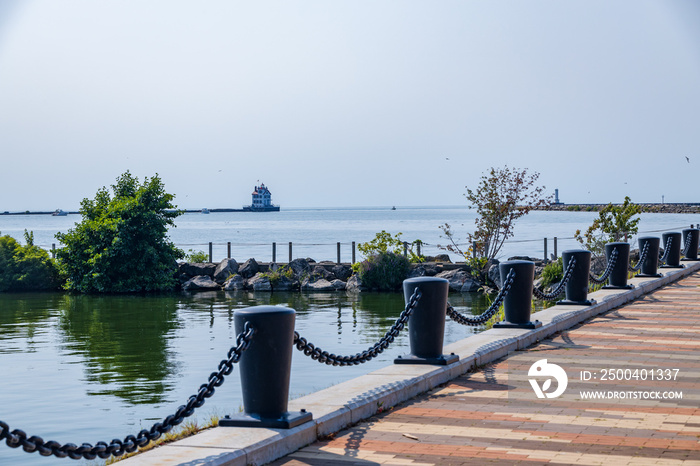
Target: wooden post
(555, 248)
(353, 252)
(53, 250)
(274, 253)
(211, 256)
(229, 249)
(545, 250)
(474, 249)
(290, 251)
(418, 244)
(405, 249)
(338, 252)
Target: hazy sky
(348, 103)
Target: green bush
(121, 244)
(385, 271)
(552, 273)
(196, 257)
(25, 268)
(383, 242)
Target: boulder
(470, 286)
(354, 284)
(285, 284)
(259, 282)
(494, 275)
(318, 285)
(321, 272)
(201, 282)
(234, 283)
(456, 278)
(300, 267)
(249, 268)
(439, 258)
(417, 272)
(342, 272)
(193, 269)
(338, 284)
(225, 269)
(430, 270)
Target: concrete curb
(347, 403)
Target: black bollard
(673, 258)
(577, 286)
(264, 369)
(692, 236)
(618, 276)
(426, 325)
(650, 265)
(518, 302)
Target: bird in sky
(686, 157)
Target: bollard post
(290, 251)
(474, 249)
(53, 250)
(577, 286)
(353, 252)
(545, 252)
(228, 250)
(555, 249)
(264, 369)
(405, 249)
(426, 325)
(274, 253)
(339, 253)
(673, 259)
(211, 256)
(618, 276)
(692, 235)
(650, 265)
(418, 245)
(518, 302)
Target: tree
(503, 196)
(614, 223)
(121, 243)
(25, 268)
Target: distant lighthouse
(556, 196)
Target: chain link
(686, 249)
(324, 357)
(18, 438)
(642, 258)
(488, 313)
(611, 265)
(558, 290)
(667, 250)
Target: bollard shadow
(614, 315)
(553, 345)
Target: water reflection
(123, 341)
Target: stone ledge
(344, 404)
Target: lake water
(90, 368)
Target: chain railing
(554, 294)
(608, 270)
(642, 258)
(324, 357)
(686, 249)
(18, 438)
(667, 250)
(488, 313)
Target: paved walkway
(493, 416)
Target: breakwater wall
(664, 208)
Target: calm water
(315, 232)
(86, 368)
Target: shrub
(121, 243)
(196, 257)
(385, 271)
(383, 242)
(552, 273)
(25, 268)
(614, 223)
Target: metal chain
(558, 290)
(642, 258)
(17, 438)
(488, 313)
(686, 249)
(611, 265)
(324, 357)
(667, 249)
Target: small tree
(25, 268)
(614, 223)
(502, 197)
(121, 243)
(383, 242)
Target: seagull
(447, 158)
(686, 157)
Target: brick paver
(493, 416)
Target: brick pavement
(494, 417)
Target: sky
(348, 103)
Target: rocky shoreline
(310, 276)
(666, 208)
